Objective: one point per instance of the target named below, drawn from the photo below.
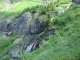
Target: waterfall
(29, 48)
(33, 46)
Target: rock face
(31, 27)
(19, 26)
(3, 26)
(76, 1)
(37, 26)
(22, 24)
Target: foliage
(60, 2)
(2, 6)
(64, 45)
(47, 20)
(7, 57)
(6, 44)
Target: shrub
(7, 57)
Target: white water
(52, 19)
(29, 48)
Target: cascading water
(29, 48)
(34, 45)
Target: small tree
(47, 21)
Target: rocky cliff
(23, 24)
(28, 25)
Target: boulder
(37, 26)
(22, 24)
(3, 26)
(6, 27)
(14, 53)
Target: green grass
(6, 44)
(2, 5)
(6, 57)
(64, 1)
(18, 9)
(64, 45)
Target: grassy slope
(2, 5)
(64, 1)
(18, 9)
(64, 45)
(6, 44)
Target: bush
(47, 21)
(7, 57)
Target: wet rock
(36, 41)
(33, 46)
(28, 40)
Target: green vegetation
(64, 45)
(65, 1)
(60, 2)
(6, 44)
(6, 57)
(2, 6)
(18, 9)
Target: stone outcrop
(19, 26)
(22, 24)
(37, 25)
(76, 1)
